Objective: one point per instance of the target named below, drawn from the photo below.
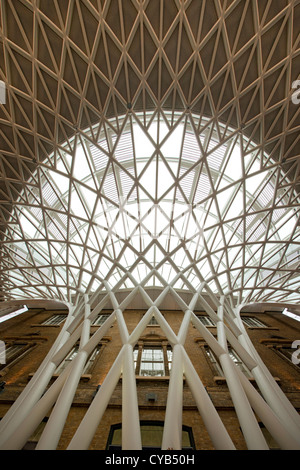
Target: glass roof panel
(154, 193)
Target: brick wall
(28, 328)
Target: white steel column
(18, 439)
(252, 433)
(131, 435)
(172, 435)
(283, 436)
(53, 429)
(212, 421)
(88, 426)
(272, 393)
(61, 393)
(35, 387)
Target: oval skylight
(168, 193)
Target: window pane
(288, 353)
(91, 359)
(135, 354)
(152, 362)
(67, 360)
(152, 435)
(170, 358)
(213, 360)
(152, 369)
(253, 322)
(12, 351)
(100, 319)
(71, 356)
(54, 320)
(239, 362)
(205, 320)
(151, 354)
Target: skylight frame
(81, 232)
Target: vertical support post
(273, 395)
(285, 439)
(25, 406)
(184, 327)
(172, 435)
(131, 435)
(251, 430)
(19, 438)
(35, 388)
(212, 421)
(54, 427)
(88, 426)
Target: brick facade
(152, 392)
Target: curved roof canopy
(159, 141)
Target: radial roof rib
(160, 141)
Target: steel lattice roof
(159, 139)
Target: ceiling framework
(165, 136)
(150, 150)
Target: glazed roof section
(173, 193)
(118, 121)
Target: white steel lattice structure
(156, 146)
